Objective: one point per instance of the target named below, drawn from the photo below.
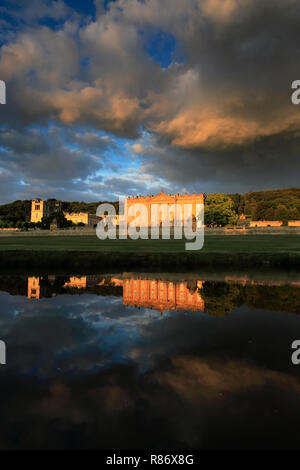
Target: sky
(116, 98)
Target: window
(37, 207)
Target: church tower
(38, 210)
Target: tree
(293, 214)
(15, 211)
(220, 298)
(281, 213)
(260, 211)
(219, 210)
(250, 208)
(270, 214)
(62, 222)
(236, 202)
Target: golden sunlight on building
(115, 281)
(82, 217)
(265, 223)
(34, 290)
(149, 293)
(294, 223)
(77, 282)
(168, 199)
(162, 295)
(40, 209)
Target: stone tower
(38, 210)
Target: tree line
(227, 209)
(220, 209)
(17, 214)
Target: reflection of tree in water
(284, 298)
(14, 285)
(58, 285)
(220, 298)
(53, 285)
(108, 288)
(17, 285)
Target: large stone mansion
(168, 199)
(40, 208)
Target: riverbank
(208, 231)
(88, 252)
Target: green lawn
(213, 244)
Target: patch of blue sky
(85, 61)
(52, 23)
(161, 46)
(117, 341)
(87, 7)
(8, 28)
(12, 20)
(7, 13)
(41, 128)
(116, 152)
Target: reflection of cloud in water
(188, 402)
(58, 332)
(87, 371)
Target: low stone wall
(266, 223)
(81, 231)
(53, 233)
(294, 223)
(254, 231)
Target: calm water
(135, 360)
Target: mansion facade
(169, 200)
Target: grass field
(88, 251)
(216, 244)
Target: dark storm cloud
(50, 161)
(271, 162)
(221, 118)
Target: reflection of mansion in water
(162, 295)
(148, 293)
(34, 288)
